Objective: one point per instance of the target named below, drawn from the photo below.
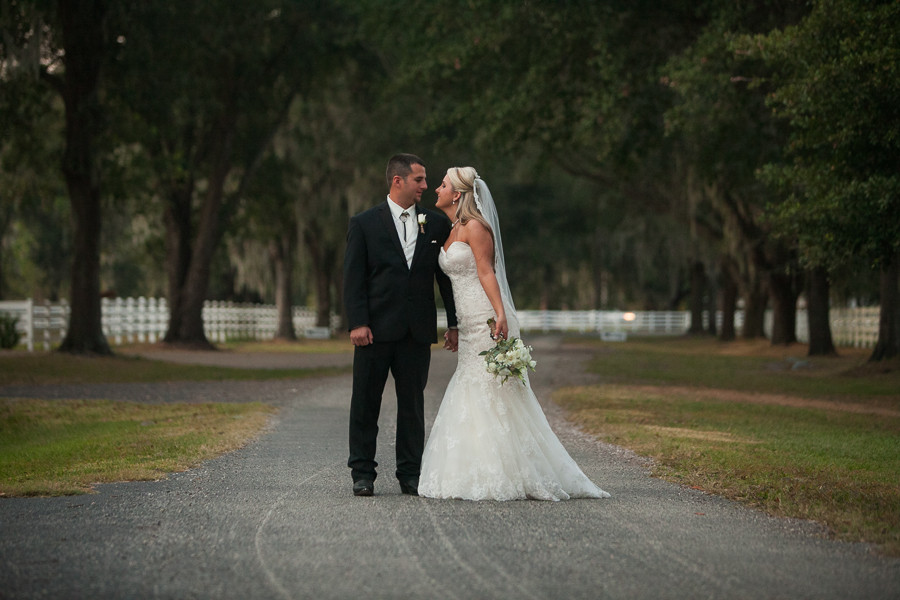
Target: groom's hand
(361, 336)
(451, 340)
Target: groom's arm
(443, 280)
(451, 336)
(356, 296)
(446, 290)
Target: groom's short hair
(401, 164)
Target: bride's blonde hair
(463, 181)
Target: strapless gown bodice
(473, 308)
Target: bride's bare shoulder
(475, 231)
(479, 239)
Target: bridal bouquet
(508, 358)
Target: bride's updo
(463, 181)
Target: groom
(390, 266)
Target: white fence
(139, 320)
(851, 327)
(131, 320)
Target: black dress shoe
(363, 487)
(411, 487)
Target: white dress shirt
(412, 228)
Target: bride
(489, 441)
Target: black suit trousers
(408, 361)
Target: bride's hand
(500, 328)
(451, 340)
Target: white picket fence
(144, 320)
(851, 327)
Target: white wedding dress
(491, 441)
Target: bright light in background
(629, 316)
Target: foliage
(35, 242)
(620, 150)
(529, 100)
(504, 74)
(9, 335)
(202, 90)
(727, 133)
(837, 81)
(331, 150)
(719, 119)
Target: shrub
(9, 335)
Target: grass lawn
(61, 447)
(815, 439)
(39, 368)
(64, 446)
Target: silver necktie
(404, 216)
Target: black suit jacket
(381, 291)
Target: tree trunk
(186, 308)
(82, 34)
(729, 304)
(888, 345)
(819, 322)
(698, 290)
(544, 302)
(598, 281)
(754, 312)
(784, 294)
(196, 284)
(337, 283)
(324, 261)
(712, 306)
(4, 228)
(323, 291)
(282, 254)
(177, 219)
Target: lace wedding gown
(491, 441)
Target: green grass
(39, 368)
(821, 443)
(62, 447)
(748, 366)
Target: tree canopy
(644, 154)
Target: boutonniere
(422, 221)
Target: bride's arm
(482, 244)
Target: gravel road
(277, 519)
